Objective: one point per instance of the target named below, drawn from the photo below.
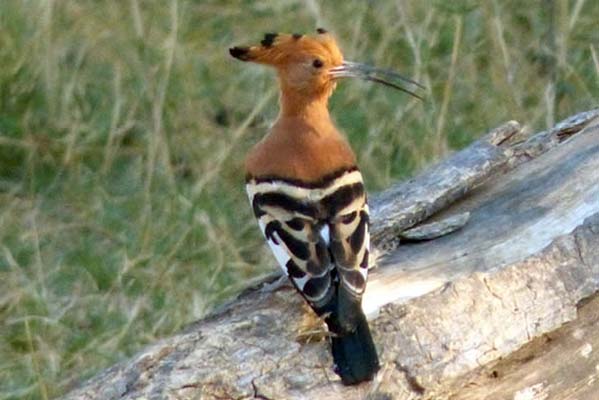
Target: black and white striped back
(318, 232)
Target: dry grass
(123, 127)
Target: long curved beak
(351, 69)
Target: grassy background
(123, 126)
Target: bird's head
(310, 65)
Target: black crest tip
(269, 39)
(241, 53)
(321, 31)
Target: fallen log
(512, 255)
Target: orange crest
(309, 65)
(303, 62)
(279, 49)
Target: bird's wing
(350, 245)
(298, 240)
(319, 236)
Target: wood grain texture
(443, 310)
(560, 365)
(511, 217)
(408, 203)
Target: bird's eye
(317, 63)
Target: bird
(307, 192)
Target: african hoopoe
(307, 192)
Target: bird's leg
(275, 285)
(311, 328)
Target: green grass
(123, 126)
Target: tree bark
(500, 302)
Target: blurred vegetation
(123, 126)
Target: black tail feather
(355, 355)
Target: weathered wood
(560, 365)
(511, 216)
(435, 229)
(408, 203)
(488, 314)
(517, 270)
